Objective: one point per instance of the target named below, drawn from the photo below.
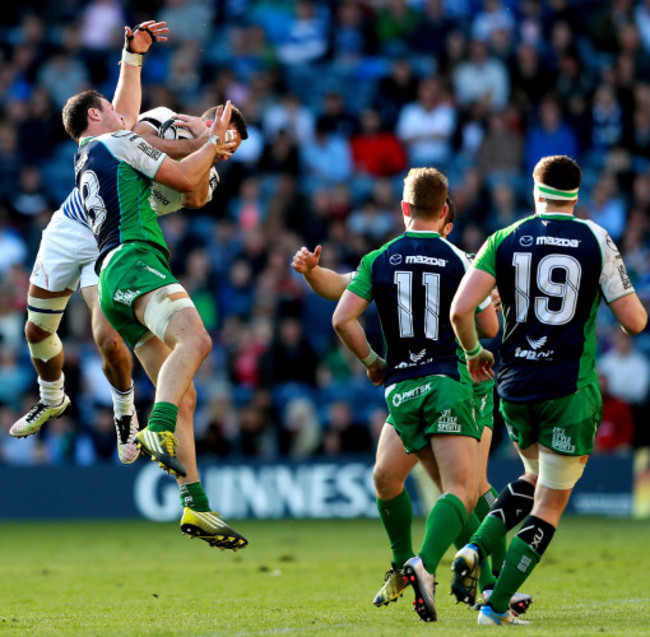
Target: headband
(548, 192)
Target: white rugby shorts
(66, 256)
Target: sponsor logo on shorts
(420, 258)
(558, 241)
(561, 442)
(157, 195)
(154, 271)
(412, 394)
(126, 297)
(449, 423)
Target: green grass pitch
(296, 577)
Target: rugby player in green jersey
(412, 280)
(552, 270)
(115, 171)
(393, 464)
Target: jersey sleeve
(361, 283)
(486, 257)
(614, 280)
(132, 149)
(469, 260)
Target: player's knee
(201, 343)
(388, 483)
(112, 349)
(34, 333)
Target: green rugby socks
(397, 516)
(163, 417)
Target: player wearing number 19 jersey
(552, 271)
(412, 280)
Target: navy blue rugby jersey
(551, 271)
(413, 279)
(114, 173)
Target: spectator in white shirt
(482, 78)
(426, 126)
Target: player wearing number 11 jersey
(552, 271)
(412, 281)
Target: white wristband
(370, 359)
(132, 59)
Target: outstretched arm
(325, 282)
(128, 93)
(187, 174)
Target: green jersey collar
(555, 216)
(422, 233)
(85, 140)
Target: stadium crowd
(341, 98)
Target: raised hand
(144, 35)
(221, 121)
(197, 126)
(304, 260)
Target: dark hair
(558, 171)
(425, 189)
(75, 112)
(236, 118)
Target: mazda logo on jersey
(395, 259)
(526, 241)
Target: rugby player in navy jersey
(412, 280)
(66, 260)
(552, 270)
(393, 464)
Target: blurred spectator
(290, 116)
(501, 150)
(306, 36)
(626, 370)
(301, 428)
(102, 24)
(426, 126)
(605, 206)
(396, 21)
(494, 17)
(377, 152)
(191, 20)
(395, 90)
(63, 76)
(552, 136)
(290, 356)
(343, 434)
(481, 78)
(616, 430)
(327, 159)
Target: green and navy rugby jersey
(413, 279)
(551, 271)
(114, 173)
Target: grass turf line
(296, 577)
